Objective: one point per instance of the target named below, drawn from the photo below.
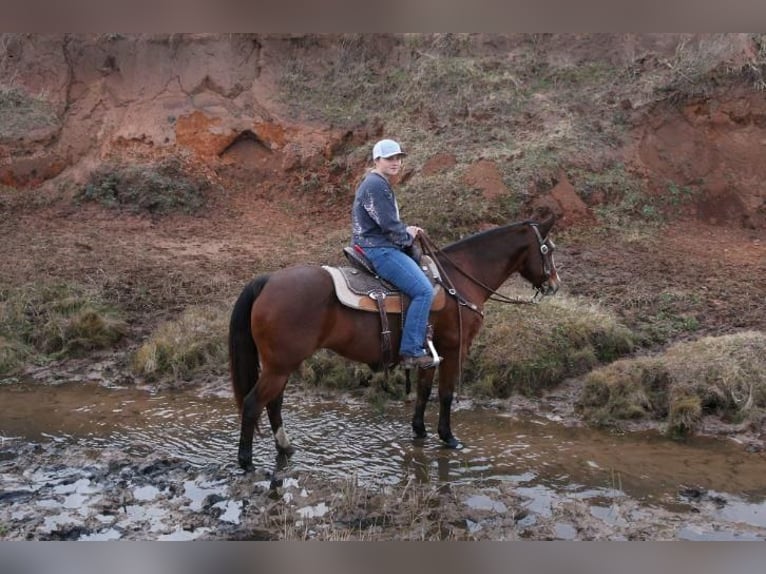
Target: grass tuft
(725, 376)
(528, 349)
(194, 343)
(328, 370)
(685, 414)
(55, 321)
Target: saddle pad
(353, 288)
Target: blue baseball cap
(386, 148)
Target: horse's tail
(243, 354)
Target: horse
(282, 318)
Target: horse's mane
(486, 234)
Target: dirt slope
(220, 100)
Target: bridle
(546, 252)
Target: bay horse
(280, 319)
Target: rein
(432, 250)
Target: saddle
(359, 287)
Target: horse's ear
(547, 223)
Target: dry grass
(406, 511)
(194, 343)
(41, 323)
(534, 115)
(528, 349)
(449, 209)
(725, 376)
(696, 60)
(13, 355)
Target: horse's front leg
(266, 393)
(448, 374)
(425, 383)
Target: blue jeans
(400, 270)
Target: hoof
(452, 443)
(286, 451)
(419, 433)
(246, 463)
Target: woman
(377, 229)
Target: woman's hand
(413, 230)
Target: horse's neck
(488, 263)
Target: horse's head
(539, 267)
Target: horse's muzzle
(550, 287)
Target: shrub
(20, 113)
(159, 188)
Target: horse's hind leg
(274, 408)
(268, 388)
(247, 429)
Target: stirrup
(434, 355)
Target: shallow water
(339, 438)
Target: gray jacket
(375, 215)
